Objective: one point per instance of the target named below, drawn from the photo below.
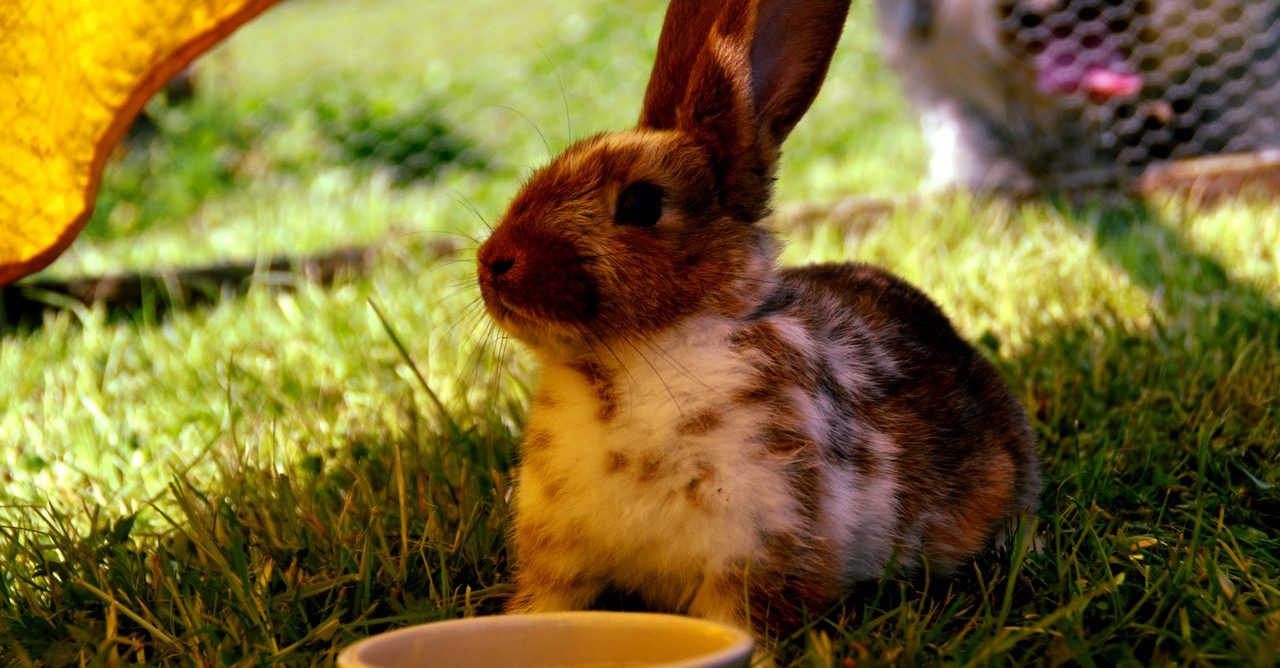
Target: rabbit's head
(627, 234)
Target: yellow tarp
(73, 74)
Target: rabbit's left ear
(738, 75)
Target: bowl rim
(741, 644)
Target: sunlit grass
(270, 477)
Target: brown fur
(703, 423)
(535, 537)
(793, 578)
(615, 461)
(975, 518)
(695, 490)
(650, 467)
(683, 29)
(548, 288)
(544, 400)
(535, 441)
(552, 488)
(601, 382)
(782, 365)
(541, 572)
(786, 441)
(677, 270)
(781, 362)
(533, 450)
(971, 454)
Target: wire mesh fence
(1070, 94)
(1151, 81)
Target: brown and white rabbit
(712, 434)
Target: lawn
(268, 477)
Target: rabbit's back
(960, 445)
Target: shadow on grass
(1158, 539)
(149, 296)
(270, 567)
(1161, 448)
(1205, 375)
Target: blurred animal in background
(1032, 95)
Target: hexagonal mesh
(1147, 81)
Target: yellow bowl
(556, 640)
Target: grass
(276, 475)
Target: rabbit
(710, 434)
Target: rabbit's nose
(501, 266)
(496, 260)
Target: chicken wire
(1145, 82)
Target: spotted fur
(715, 435)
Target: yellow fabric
(73, 73)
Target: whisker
(657, 350)
(604, 342)
(528, 120)
(452, 262)
(406, 234)
(475, 359)
(503, 345)
(568, 124)
(657, 374)
(470, 206)
(472, 313)
(457, 288)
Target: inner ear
(791, 49)
(717, 108)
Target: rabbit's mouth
(508, 316)
(533, 324)
(535, 283)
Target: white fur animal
(1019, 95)
(999, 114)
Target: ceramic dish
(556, 640)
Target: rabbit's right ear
(736, 76)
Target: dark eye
(639, 204)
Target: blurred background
(325, 123)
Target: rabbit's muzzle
(531, 280)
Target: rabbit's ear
(685, 32)
(737, 75)
(790, 50)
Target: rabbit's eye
(639, 204)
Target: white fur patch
(863, 512)
(638, 520)
(655, 510)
